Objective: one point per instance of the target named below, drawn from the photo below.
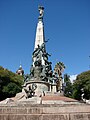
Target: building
(20, 71)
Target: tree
(82, 86)
(68, 89)
(10, 83)
(11, 89)
(59, 68)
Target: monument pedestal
(41, 87)
(44, 112)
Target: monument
(42, 79)
(41, 97)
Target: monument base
(44, 112)
(52, 106)
(41, 87)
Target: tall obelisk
(40, 37)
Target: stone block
(56, 117)
(34, 117)
(80, 116)
(4, 117)
(20, 117)
(34, 110)
(13, 111)
(17, 117)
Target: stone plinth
(41, 87)
(26, 111)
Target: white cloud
(73, 77)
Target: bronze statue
(41, 11)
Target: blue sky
(67, 26)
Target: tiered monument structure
(42, 80)
(40, 97)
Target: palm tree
(59, 68)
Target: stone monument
(41, 98)
(42, 79)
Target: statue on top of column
(41, 11)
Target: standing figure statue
(41, 11)
(32, 71)
(36, 51)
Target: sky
(66, 25)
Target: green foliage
(60, 65)
(68, 86)
(10, 83)
(82, 86)
(11, 89)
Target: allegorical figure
(41, 11)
